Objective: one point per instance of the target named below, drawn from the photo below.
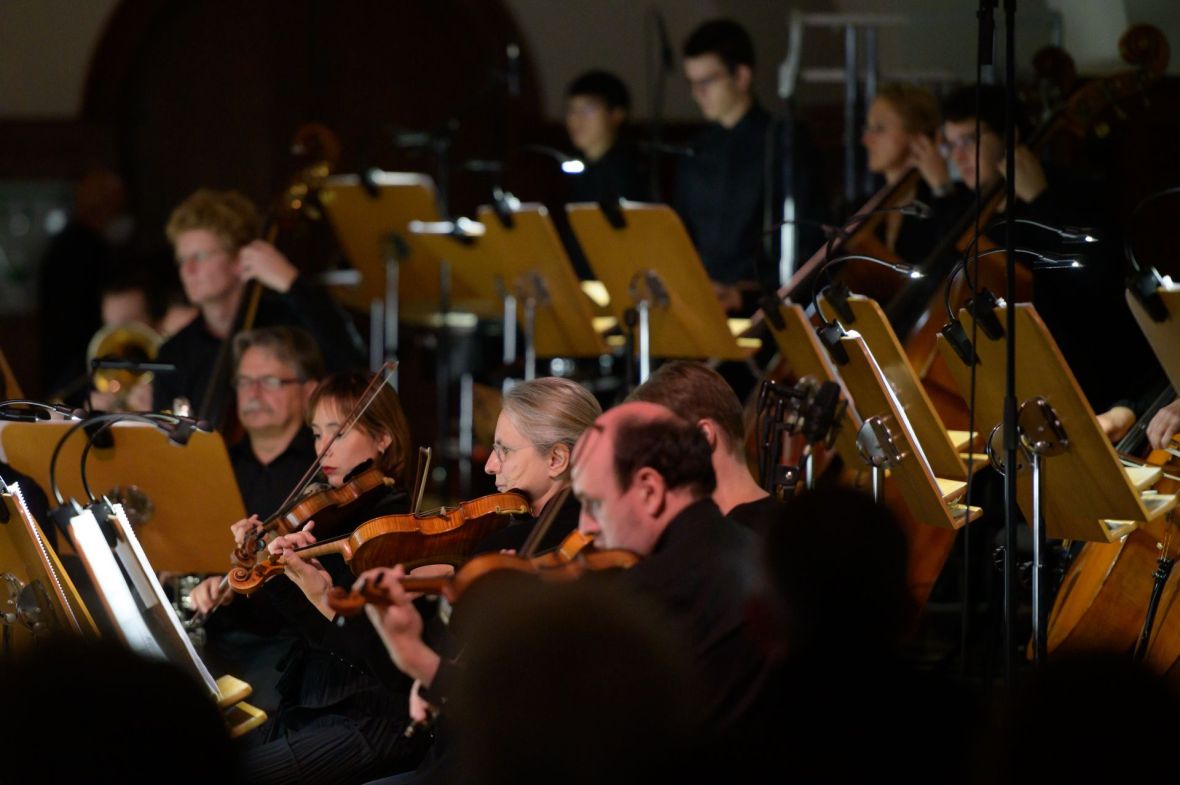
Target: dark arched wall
(210, 92)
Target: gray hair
(551, 411)
(289, 345)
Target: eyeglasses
(705, 81)
(269, 383)
(949, 146)
(200, 256)
(502, 451)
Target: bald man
(645, 479)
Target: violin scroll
(247, 580)
(1146, 47)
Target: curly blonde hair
(227, 214)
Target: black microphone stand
(1012, 516)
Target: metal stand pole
(1040, 608)
(390, 311)
(530, 336)
(509, 328)
(643, 308)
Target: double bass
(318, 148)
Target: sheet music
(37, 538)
(151, 595)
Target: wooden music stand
(802, 350)
(191, 490)
(141, 613)
(646, 259)
(941, 446)
(371, 225)
(535, 267)
(1164, 335)
(471, 262)
(1088, 493)
(11, 386)
(33, 583)
(931, 499)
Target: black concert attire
(918, 237)
(194, 349)
(621, 173)
(702, 572)
(343, 709)
(265, 486)
(72, 273)
(729, 192)
(1085, 308)
(247, 638)
(512, 536)
(760, 515)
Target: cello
(1104, 597)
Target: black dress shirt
(760, 515)
(701, 573)
(340, 691)
(265, 486)
(722, 193)
(620, 173)
(194, 349)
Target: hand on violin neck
(245, 528)
(310, 576)
(398, 623)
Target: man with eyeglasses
(215, 235)
(1083, 308)
(730, 188)
(276, 368)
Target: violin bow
(423, 472)
(544, 523)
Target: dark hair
(602, 85)
(696, 392)
(959, 106)
(724, 38)
(383, 417)
(290, 345)
(674, 448)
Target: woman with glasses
(901, 134)
(539, 424)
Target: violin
(571, 560)
(443, 536)
(328, 507)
